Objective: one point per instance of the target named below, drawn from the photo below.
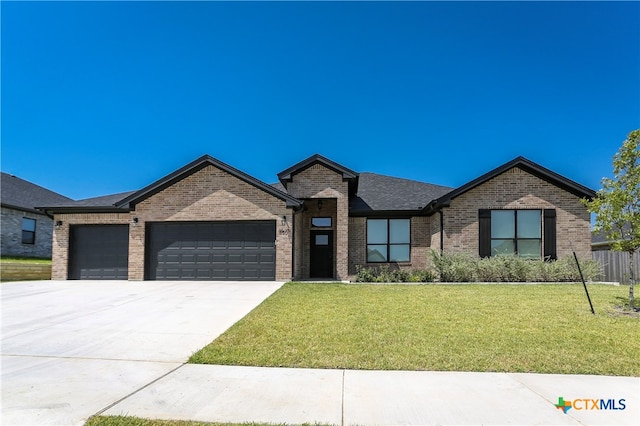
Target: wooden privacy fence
(615, 265)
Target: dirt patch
(624, 311)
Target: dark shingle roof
(104, 201)
(387, 193)
(24, 195)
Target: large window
(388, 240)
(516, 232)
(28, 231)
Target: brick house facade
(322, 220)
(24, 230)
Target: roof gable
(195, 166)
(24, 195)
(286, 176)
(524, 164)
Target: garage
(99, 252)
(221, 250)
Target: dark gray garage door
(99, 252)
(239, 250)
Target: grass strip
(138, 421)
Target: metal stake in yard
(584, 284)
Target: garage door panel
(242, 250)
(99, 252)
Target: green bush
(382, 274)
(453, 267)
(457, 267)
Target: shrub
(453, 267)
(456, 267)
(421, 276)
(382, 274)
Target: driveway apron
(73, 348)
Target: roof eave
(386, 213)
(22, 209)
(83, 209)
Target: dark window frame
(515, 238)
(388, 244)
(29, 237)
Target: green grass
(509, 328)
(137, 421)
(13, 259)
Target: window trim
(388, 244)
(32, 240)
(515, 238)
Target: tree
(617, 204)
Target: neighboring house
(25, 231)
(615, 264)
(210, 221)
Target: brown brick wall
(207, 195)
(517, 189)
(60, 254)
(316, 182)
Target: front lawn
(545, 328)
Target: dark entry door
(321, 254)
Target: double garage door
(238, 250)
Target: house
(24, 230)
(615, 264)
(210, 221)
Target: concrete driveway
(73, 348)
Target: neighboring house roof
(23, 195)
(524, 164)
(385, 193)
(600, 239)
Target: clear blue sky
(105, 97)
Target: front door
(321, 254)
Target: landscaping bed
(470, 327)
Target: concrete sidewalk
(352, 397)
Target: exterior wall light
(135, 221)
(319, 204)
(58, 223)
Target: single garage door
(239, 250)
(99, 252)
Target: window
(28, 231)
(388, 240)
(516, 232)
(322, 240)
(321, 222)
